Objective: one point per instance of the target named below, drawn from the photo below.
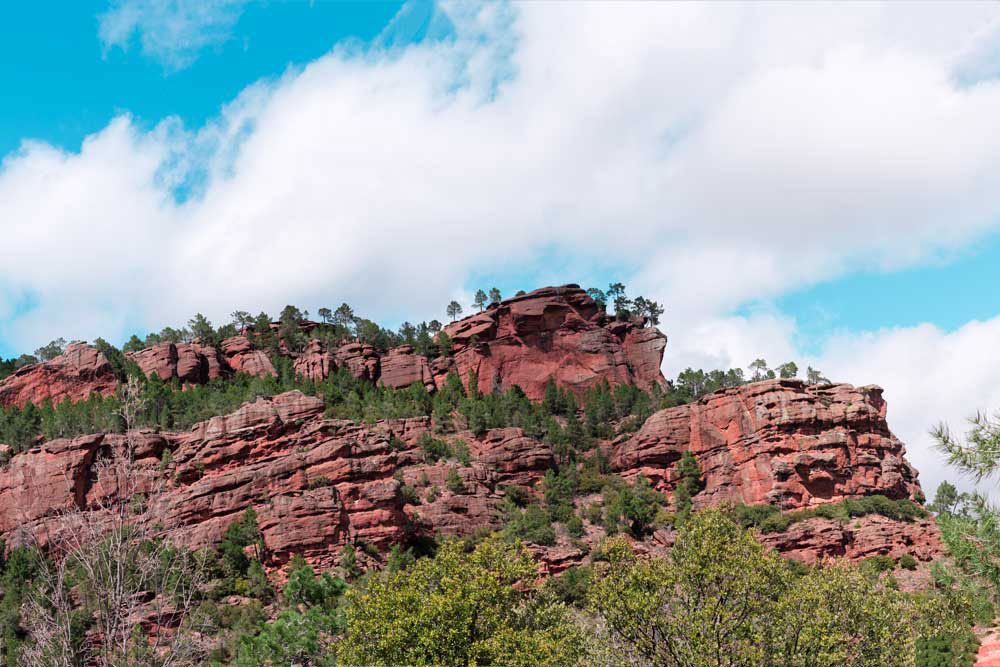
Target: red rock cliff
(780, 442)
(73, 375)
(553, 332)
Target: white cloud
(170, 31)
(929, 376)
(725, 152)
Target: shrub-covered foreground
(718, 599)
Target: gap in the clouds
(948, 293)
(73, 91)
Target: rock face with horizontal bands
(74, 375)
(553, 332)
(780, 442)
(319, 483)
(872, 535)
(401, 367)
(242, 358)
(315, 483)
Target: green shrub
(908, 562)
(574, 526)
(454, 481)
(435, 449)
(533, 524)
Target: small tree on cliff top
(480, 300)
(453, 310)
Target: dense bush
(770, 519)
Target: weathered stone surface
(188, 362)
(242, 358)
(360, 359)
(553, 332)
(315, 363)
(401, 367)
(74, 375)
(872, 535)
(779, 442)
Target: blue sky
(809, 182)
(61, 83)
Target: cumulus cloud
(723, 153)
(172, 32)
(929, 376)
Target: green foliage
(454, 481)
(52, 350)
(720, 599)
(241, 535)
(979, 453)
(908, 562)
(458, 608)
(435, 449)
(349, 562)
(532, 524)
(305, 629)
(572, 586)
(688, 484)
(633, 505)
(769, 519)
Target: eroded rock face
(553, 332)
(315, 483)
(779, 442)
(320, 483)
(194, 363)
(74, 375)
(401, 367)
(242, 358)
(872, 535)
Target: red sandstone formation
(553, 332)
(74, 375)
(320, 483)
(401, 368)
(316, 483)
(780, 442)
(872, 535)
(195, 363)
(242, 358)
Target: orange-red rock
(553, 332)
(401, 367)
(242, 358)
(360, 359)
(872, 535)
(780, 442)
(74, 375)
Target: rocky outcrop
(74, 375)
(319, 483)
(401, 367)
(818, 539)
(359, 359)
(315, 483)
(242, 358)
(188, 362)
(194, 363)
(553, 332)
(780, 442)
(315, 363)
